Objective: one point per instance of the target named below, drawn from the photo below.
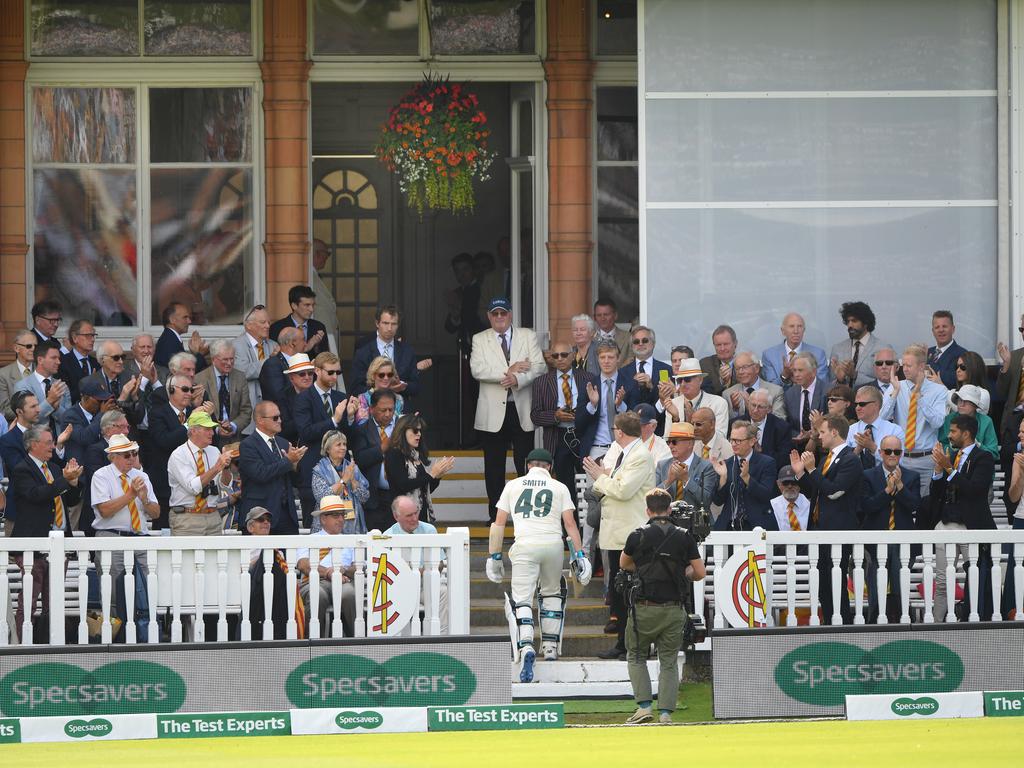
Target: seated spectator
(408, 523)
(689, 396)
(748, 380)
(257, 523)
(777, 361)
(408, 467)
(866, 433)
(719, 368)
(967, 401)
(332, 511)
(774, 435)
(791, 508)
(685, 476)
(379, 375)
(710, 443)
(680, 352)
(46, 319)
(336, 474)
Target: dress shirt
(183, 472)
(931, 411)
(880, 428)
(320, 395)
(302, 325)
(106, 485)
(387, 348)
(345, 558)
(863, 341)
(963, 453)
(810, 397)
(603, 435)
(561, 396)
(63, 350)
(940, 351)
(884, 388)
(389, 428)
(802, 510)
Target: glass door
(527, 273)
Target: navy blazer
(843, 478)
(792, 397)
(777, 440)
(266, 482)
(945, 366)
(405, 365)
(71, 372)
(875, 503)
(35, 498)
(747, 505)
(83, 433)
(366, 450)
(165, 434)
(545, 402)
(168, 345)
(312, 326)
(274, 384)
(12, 453)
(635, 394)
(312, 422)
(963, 498)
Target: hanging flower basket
(435, 139)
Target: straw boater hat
(121, 444)
(681, 430)
(689, 367)
(299, 362)
(335, 504)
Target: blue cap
(97, 390)
(647, 413)
(499, 302)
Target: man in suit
(123, 388)
(84, 420)
(463, 317)
(890, 500)
(606, 315)
(274, 381)
(852, 362)
(302, 301)
(46, 319)
(777, 361)
(10, 375)
(622, 489)
(229, 392)
(1010, 387)
(42, 491)
(370, 442)
(834, 491)
(385, 344)
(176, 319)
(560, 399)
(865, 436)
(142, 366)
(746, 484)
(943, 355)
(680, 400)
(267, 463)
(166, 432)
(685, 476)
(644, 373)
(720, 367)
(747, 372)
(505, 361)
(807, 394)
(12, 445)
(318, 410)
(79, 362)
(959, 500)
(885, 370)
(774, 435)
(253, 348)
(611, 385)
(53, 394)
(300, 375)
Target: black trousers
(495, 445)
(618, 607)
(567, 464)
(825, 584)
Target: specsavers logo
(923, 706)
(410, 680)
(825, 673)
(64, 689)
(352, 720)
(79, 729)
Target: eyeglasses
(880, 363)
(248, 314)
(331, 371)
(739, 439)
(59, 319)
(892, 451)
(560, 355)
(674, 440)
(415, 430)
(118, 358)
(864, 403)
(638, 342)
(837, 399)
(962, 367)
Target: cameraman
(663, 557)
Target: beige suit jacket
(238, 391)
(488, 366)
(623, 506)
(10, 375)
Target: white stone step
(581, 678)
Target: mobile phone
(663, 376)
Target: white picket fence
(190, 578)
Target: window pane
(202, 242)
(200, 125)
(618, 267)
(198, 28)
(378, 27)
(615, 28)
(85, 28)
(481, 26)
(617, 124)
(83, 125)
(85, 242)
(617, 193)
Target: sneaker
(665, 718)
(642, 715)
(526, 673)
(550, 654)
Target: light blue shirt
(880, 429)
(421, 527)
(603, 436)
(931, 411)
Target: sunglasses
(686, 379)
(644, 340)
(186, 390)
(276, 417)
(560, 355)
(962, 367)
(24, 346)
(880, 363)
(863, 403)
(118, 358)
(248, 314)
(304, 374)
(385, 375)
(674, 440)
(892, 451)
(331, 371)
(415, 430)
(837, 399)
(330, 514)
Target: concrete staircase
(462, 497)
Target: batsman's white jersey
(536, 502)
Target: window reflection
(83, 125)
(85, 28)
(198, 28)
(358, 27)
(200, 125)
(481, 26)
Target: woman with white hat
(968, 400)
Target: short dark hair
(943, 313)
(658, 501)
(462, 258)
(388, 309)
(966, 423)
(18, 400)
(298, 292)
(43, 347)
(382, 394)
(839, 423)
(76, 327)
(843, 391)
(724, 329)
(682, 348)
(859, 311)
(604, 301)
(45, 307)
(165, 316)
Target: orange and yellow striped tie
(259, 351)
(817, 502)
(300, 609)
(706, 452)
(911, 428)
(1020, 387)
(956, 462)
(794, 522)
(58, 505)
(892, 515)
(133, 509)
(679, 490)
(567, 391)
(200, 505)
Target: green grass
(935, 744)
(694, 707)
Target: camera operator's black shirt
(680, 548)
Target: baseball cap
(97, 390)
(256, 513)
(201, 419)
(539, 454)
(787, 475)
(499, 302)
(647, 413)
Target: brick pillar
(285, 71)
(13, 237)
(569, 72)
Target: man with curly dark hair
(851, 362)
